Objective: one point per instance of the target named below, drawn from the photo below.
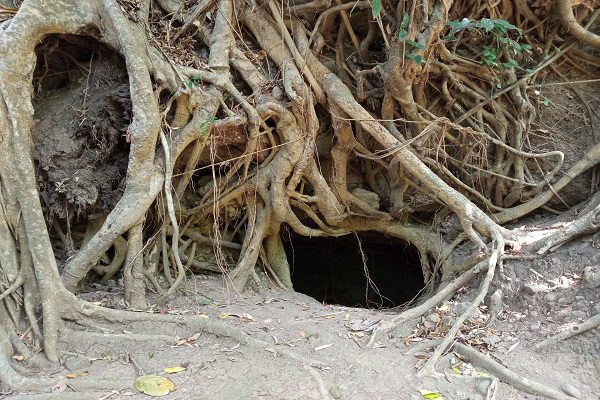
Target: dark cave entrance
(332, 270)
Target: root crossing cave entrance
(334, 271)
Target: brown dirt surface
(551, 294)
(82, 111)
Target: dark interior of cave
(334, 270)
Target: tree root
(399, 130)
(507, 376)
(441, 295)
(429, 367)
(586, 223)
(590, 324)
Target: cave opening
(368, 270)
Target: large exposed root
(508, 376)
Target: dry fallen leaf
(174, 370)
(154, 385)
(194, 337)
(428, 394)
(244, 316)
(18, 357)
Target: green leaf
(205, 125)
(526, 48)
(546, 102)
(154, 385)
(499, 85)
(193, 79)
(402, 35)
(505, 25)
(416, 45)
(510, 64)
(405, 21)
(415, 57)
(458, 26)
(486, 24)
(376, 8)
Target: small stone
(591, 275)
(276, 92)
(535, 325)
(460, 308)
(581, 305)
(482, 386)
(582, 315)
(77, 363)
(433, 318)
(495, 304)
(529, 289)
(566, 299)
(371, 198)
(429, 326)
(492, 340)
(571, 390)
(447, 320)
(551, 296)
(596, 309)
(111, 283)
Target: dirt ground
(551, 294)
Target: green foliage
(205, 125)
(376, 8)
(500, 31)
(193, 80)
(415, 57)
(402, 37)
(416, 45)
(403, 32)
(495, 26)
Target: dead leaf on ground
(243, 316)
(175, 369)
(154, 385)
(363, 324)
(428, 394)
